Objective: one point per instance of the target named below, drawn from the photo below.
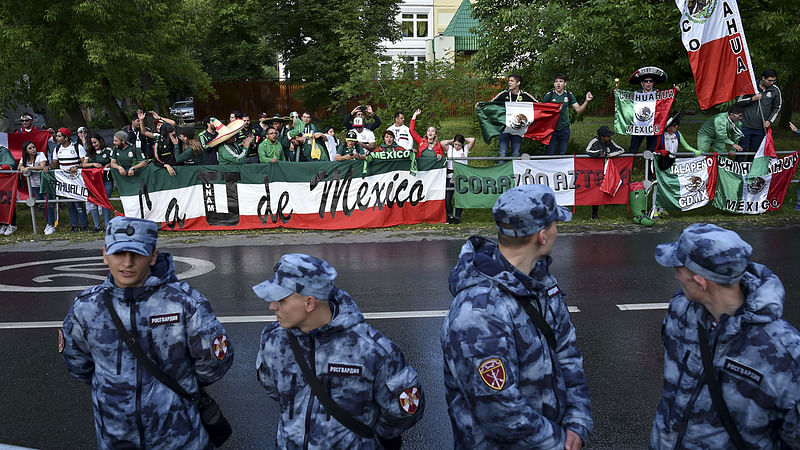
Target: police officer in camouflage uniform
(506, 386)
(172, 323)
(754, 352)
(362, 371)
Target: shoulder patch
(409, 400)
(61, 342)
(493, 373)
(742, 371)
(553, 291)
(220, 346)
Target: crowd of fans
(168, 145)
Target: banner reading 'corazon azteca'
(327, 195)
(576, 181)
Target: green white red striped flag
(738, 193)
(764, 155)
(84, 184)
(535, 121)
(642, 113)
(575, 181)
(311, 195)
(688, 184)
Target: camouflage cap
(710, 251)
(298, 273)
(129, 234)
(525, 210)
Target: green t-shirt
(102, 156)
(128, 157)
(567, 99)
(268, 150)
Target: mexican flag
(764, 155)
(576, 181)
(642, 113)
(688, 184)
(85, 184)
(713, 35)
(308, 195)
(535, 121)
(8, 195)
(739, 193)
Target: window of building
(414, 25)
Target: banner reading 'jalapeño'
(325, 195)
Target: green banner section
(479, 187)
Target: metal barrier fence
(31, 202)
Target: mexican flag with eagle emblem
(642, 113)
(737, 192)
(535, 121)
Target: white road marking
(642, 306)
(261, 319)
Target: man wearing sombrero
(647, 78)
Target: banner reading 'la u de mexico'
(311, 195)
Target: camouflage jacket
(504, 385)
(177, 330)
(363, 371)
(755, 357)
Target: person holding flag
(513, 94)
(644, 113)
(760, 111)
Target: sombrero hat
(225, 132)
(658, 75)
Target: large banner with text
(576, 181)
(313, 195)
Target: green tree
(232, 43)
(65, 54)
(322, 43)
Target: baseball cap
(525, 210)
(710, 251)
(604, 131)
(298, 273)
(64, 131)
(351, 136)
(263, 115)
(129, 234)
(358, 122)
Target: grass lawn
(612, 217)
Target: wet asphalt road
(43, 407)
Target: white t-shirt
(671, 142)
(67, 157)
(35, 178)
(453, 153)
(365, 135)
(402, 136)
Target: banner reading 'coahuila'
(713, 35)
(324, 195)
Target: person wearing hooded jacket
(172, 323)
(362, 371)
(506, 386)
(732, 307)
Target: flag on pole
(713, 35)
(688, 184)
(535, 121)
(764, 155)
(642, 113)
